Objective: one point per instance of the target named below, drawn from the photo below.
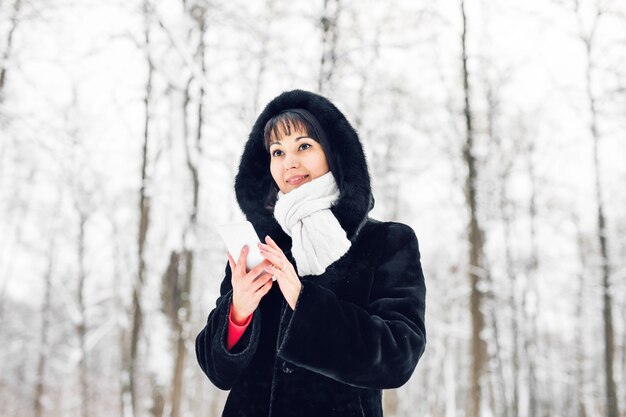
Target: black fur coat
(357, 329)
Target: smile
(297, 180)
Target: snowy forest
(495, 129)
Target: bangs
(283, 124)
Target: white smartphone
(235, 236)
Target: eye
(305, 144)
(274, 153)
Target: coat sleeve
(375, 346)
(222, 366)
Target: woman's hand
(248, 287)
(288, 281)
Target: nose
(291, 161)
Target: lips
(298, 179)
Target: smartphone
(235, 236)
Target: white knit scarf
(316, 235)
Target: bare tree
(503, 154)
(42, 343)
(505, 208)
(14, 22)
(583, 247)
(178, 279)
(81, 200)
(588, 39)
(263, 56)
(476, 240)
(81, 326)
(530, 291)
(330, 39)
(120, 310)
(144, 222)
(387, 166)
(498, 383)
(9, 46)
(20, 206)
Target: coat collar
(253, 180)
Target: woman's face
(295, 160)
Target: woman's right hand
(248, 287)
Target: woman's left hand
(283, 270)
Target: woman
(345, 317)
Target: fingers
(263, 282)
(279, 258)
(241, 262)
(268, 248)
(264, 289)
(276, 271)
(273, 258)
(270, 242)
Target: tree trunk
(612, 409)
(580, 354)
(530, 292)
(262, 58)
(513, 303)
(365, 75)
(179, 367)
(505, 207)
(181, 285)
(504, 166)
(18, 211)
(450, 377)
(144, 221)
(330, 34)
(42, 355)
(479, 348)
(9, 46)
(121, 314)
(81, 327)
(497, 381)
(158, 402)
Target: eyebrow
(297, 139)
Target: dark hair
(298, 120)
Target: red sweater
(235, 331)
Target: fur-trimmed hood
(253, 181)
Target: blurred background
(496, 129)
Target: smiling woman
(345, 317)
